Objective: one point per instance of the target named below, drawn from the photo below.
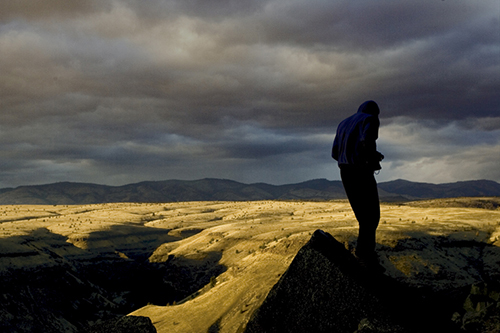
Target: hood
(369, 107)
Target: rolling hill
(65, 193)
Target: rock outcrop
(326, 290)
(481, 309)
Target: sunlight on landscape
(256, 242)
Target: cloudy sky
(116, 92)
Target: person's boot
(369, 260)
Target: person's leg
(361, 190)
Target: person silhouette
(355, 150)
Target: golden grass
(258, 240)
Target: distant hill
(66, 193)
(412, 190)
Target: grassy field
(428, 244)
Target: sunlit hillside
(218, 260)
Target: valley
(195, 266)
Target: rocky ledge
(325, 289)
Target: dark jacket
(354, 144)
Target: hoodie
(354, 143)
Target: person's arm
(368, 141)
(335, 149)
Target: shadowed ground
(218, 260)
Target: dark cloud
(33, 9)
(359, 26)
(121, 91)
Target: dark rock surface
(326, 290)
(481, 309)
(127, 324)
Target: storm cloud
(114, 92)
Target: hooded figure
(354, 144)
(355, 150)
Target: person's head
(369, 107)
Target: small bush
(213, 281)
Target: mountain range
(227, 190)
